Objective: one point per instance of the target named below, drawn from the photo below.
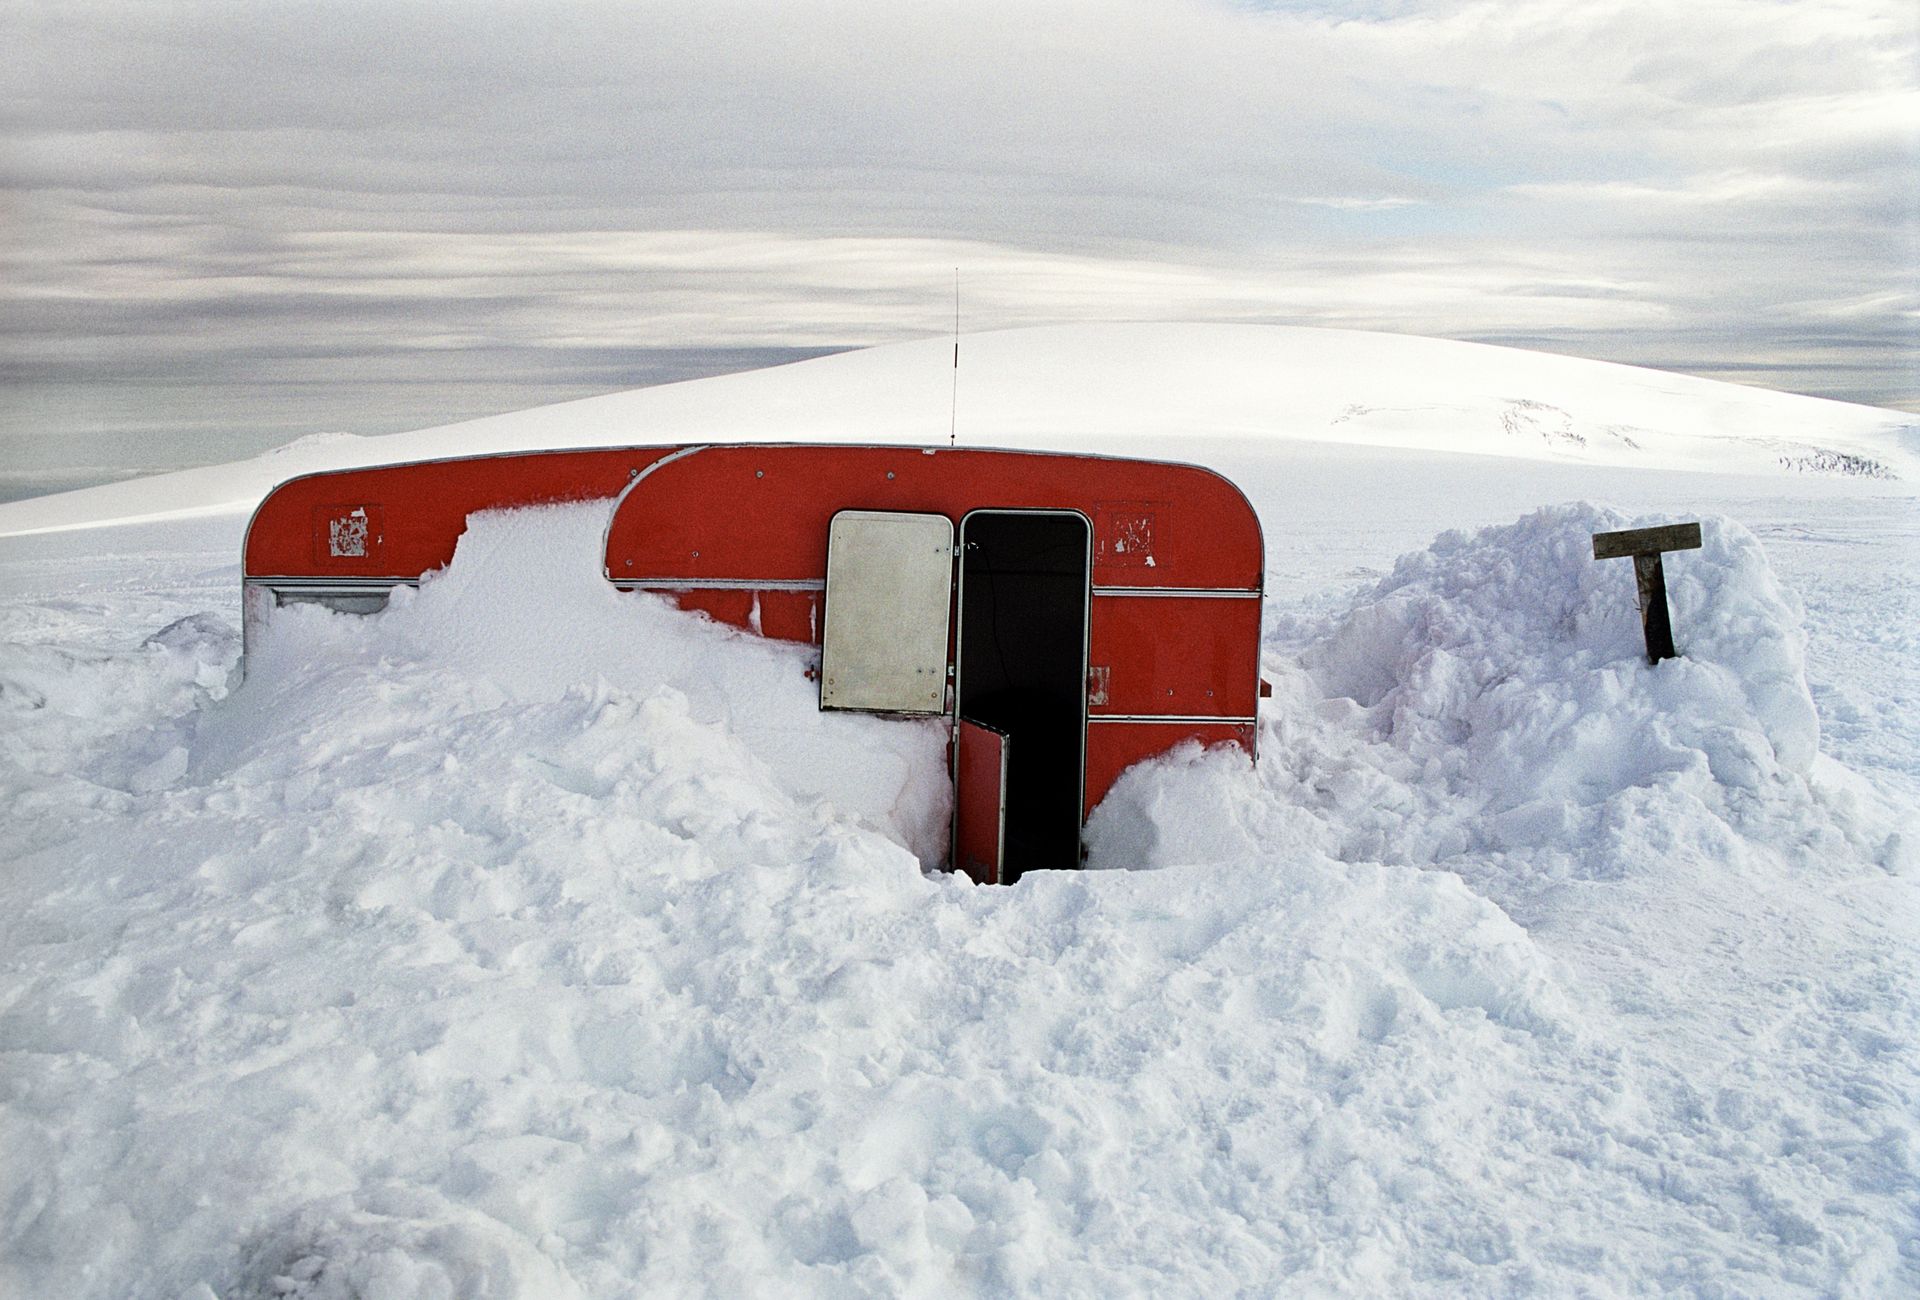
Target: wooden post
(1646, 545)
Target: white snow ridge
(1127, 388)
(529, 939)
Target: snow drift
(447, 955)
(1492, 694)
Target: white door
(889, 593)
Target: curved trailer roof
(1156, 524)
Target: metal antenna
(953, 410)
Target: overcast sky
(255, 220)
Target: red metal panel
(790, 615)
(757, 511)
(778, 615)
(979, 801)
(400, 521)
(735, 607)
(1188, 655)
(1113, 747)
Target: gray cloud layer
(348, 211)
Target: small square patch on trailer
(354, 534)
(1124, 535)
(1099, 678)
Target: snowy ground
(444, 957)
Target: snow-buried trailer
(1070, 615)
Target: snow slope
(447, 956)
(1125, 387)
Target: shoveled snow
(443, 956)
(1126, 388)
(534, 940)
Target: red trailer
(1070, 614)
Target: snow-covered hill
(534, 940)
(1129, 387)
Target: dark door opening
(1022, 670)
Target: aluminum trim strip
(1169, 718)
(1205, 593)
(721, 584)
(294, 584)
(634, 480)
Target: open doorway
(1021, 669)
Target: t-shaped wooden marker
(1646, 545)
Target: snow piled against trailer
(531, 939)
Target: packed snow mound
(1514, 654)
(1127, 388)
(522, 616)
(77, 724)
(1507, 670)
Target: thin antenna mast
(953, 410)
